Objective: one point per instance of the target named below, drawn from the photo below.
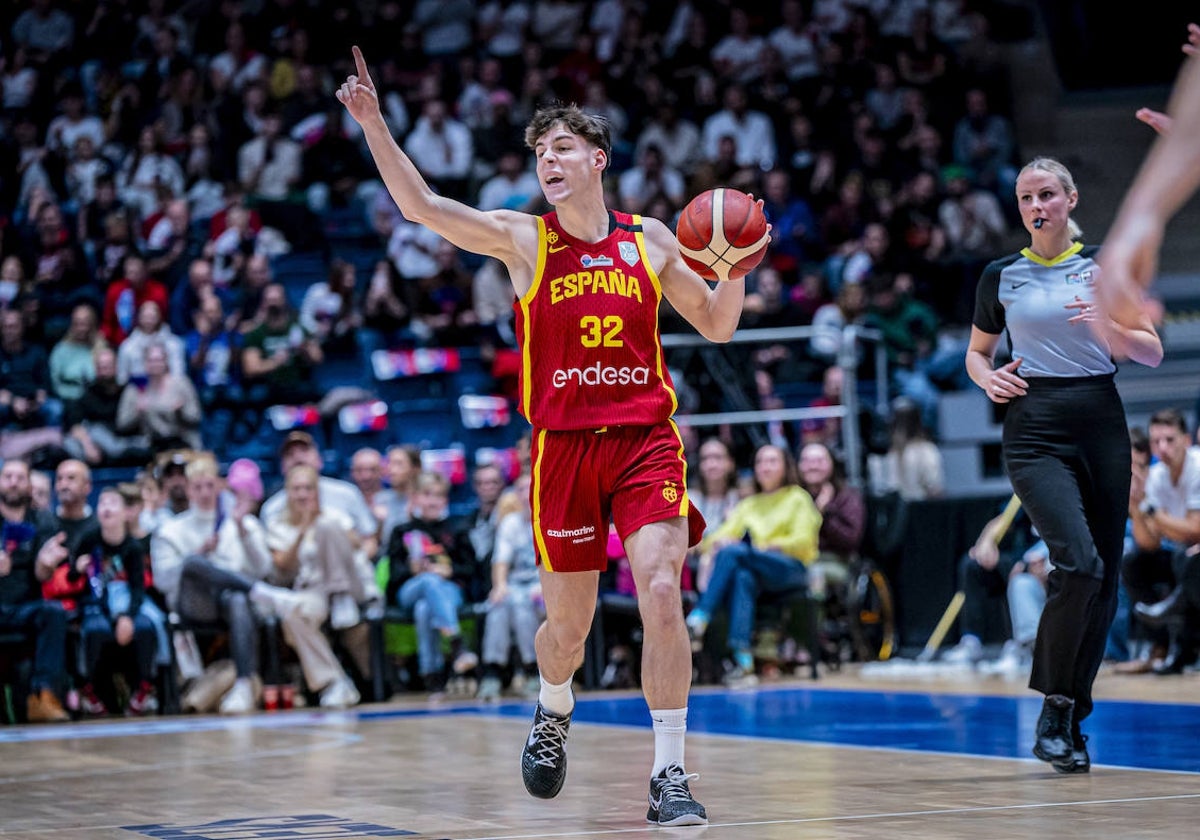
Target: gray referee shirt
(1026, 296)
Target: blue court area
(1147, 736)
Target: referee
(1066, 446)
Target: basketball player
(1169, 176)
(597, 392)
(1066, 447)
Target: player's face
(565, 163)
(1040, 195)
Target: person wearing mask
(1065, 442)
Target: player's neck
(585, 218)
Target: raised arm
(714, 312)
(509, 236)
(1168, 177)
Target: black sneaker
(671, 801)
(1054, 741)
(544, 758)
(1078, 761)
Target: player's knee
(660, 600)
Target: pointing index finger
(360, 64)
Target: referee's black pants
(1066, 448)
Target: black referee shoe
(1054, 742)
(1078, 761)
(544, 758)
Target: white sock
(557, 699)
(670, 725)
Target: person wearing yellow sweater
(762, 547)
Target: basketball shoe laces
(550, 738)
(675, 785)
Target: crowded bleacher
(220, 339)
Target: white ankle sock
(556, 698)
(670, 725)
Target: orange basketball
(722, 234)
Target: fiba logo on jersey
(671, 491)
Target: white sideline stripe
(863, 817)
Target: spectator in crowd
(187, 294)
(481, 523)
(90, 423)
(269, 166)
(366, 473)
(278, 355)
(764, 546)
(44, 32)
(843, 517)
(513, 187)
(492, 298)
(677, 138)
(983, 142)
(165, 408)
(148, 174)
(912, 466)
(28, 557)
(72, 486)
(513, 612)
(1164, 507)
(829, 321)
(336, 495)
(442, 148)
(25, 401)
(795, 237)
(211, 569)
(715, 491)
(212, 350)
(638, 184)
(433, 573)
(752, 129)
(113, 565)
(71, 364)
(170, 245)
(41, 490)
(149, 329)
(317, 553)
(330, 311)
(403, 467)
(124, 299)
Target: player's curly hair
(591, 127)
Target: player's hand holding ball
(723, 234)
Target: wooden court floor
(450, 770)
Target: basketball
(722, 234)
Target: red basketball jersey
(588, 332)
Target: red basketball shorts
(631, 475)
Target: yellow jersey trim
(1070, 252)
(660, 364)
(526, 359)
(536, 501)
(684, 503)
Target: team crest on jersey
(588, 261)
(629, 252)
(1079, 278)
(671, 492)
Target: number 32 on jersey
(599, 332)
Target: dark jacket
(419, 537)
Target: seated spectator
(492, 298)
(366, 473)
(41, 491)
(843, 517)
(44, 32)
(392, 503)
(826, 431)
(638, 184)
(85, 170)
(72, 486)
(186, 296)
(148, 174)
(113, 565)
(212, 353)
(149, 329)
(676, 137)
(332, 167)
(211, 568)
(753, 130)
(338, 495)
(912, 466)
(387, 312)
(513, 187)
(715, 491)
(983, 142)
(278, 355)
(1164, 506)
(90, 422)
(315, 553)
(170, 245)
(764, 546)
(442, 306)
(514, 614)
(28, 557)
(796, 239)
(124, 299)
(330, 311)
(433, 571)
(71, 365)
(831, 319)
(165, 408)
(441, 147)
(25, 400)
